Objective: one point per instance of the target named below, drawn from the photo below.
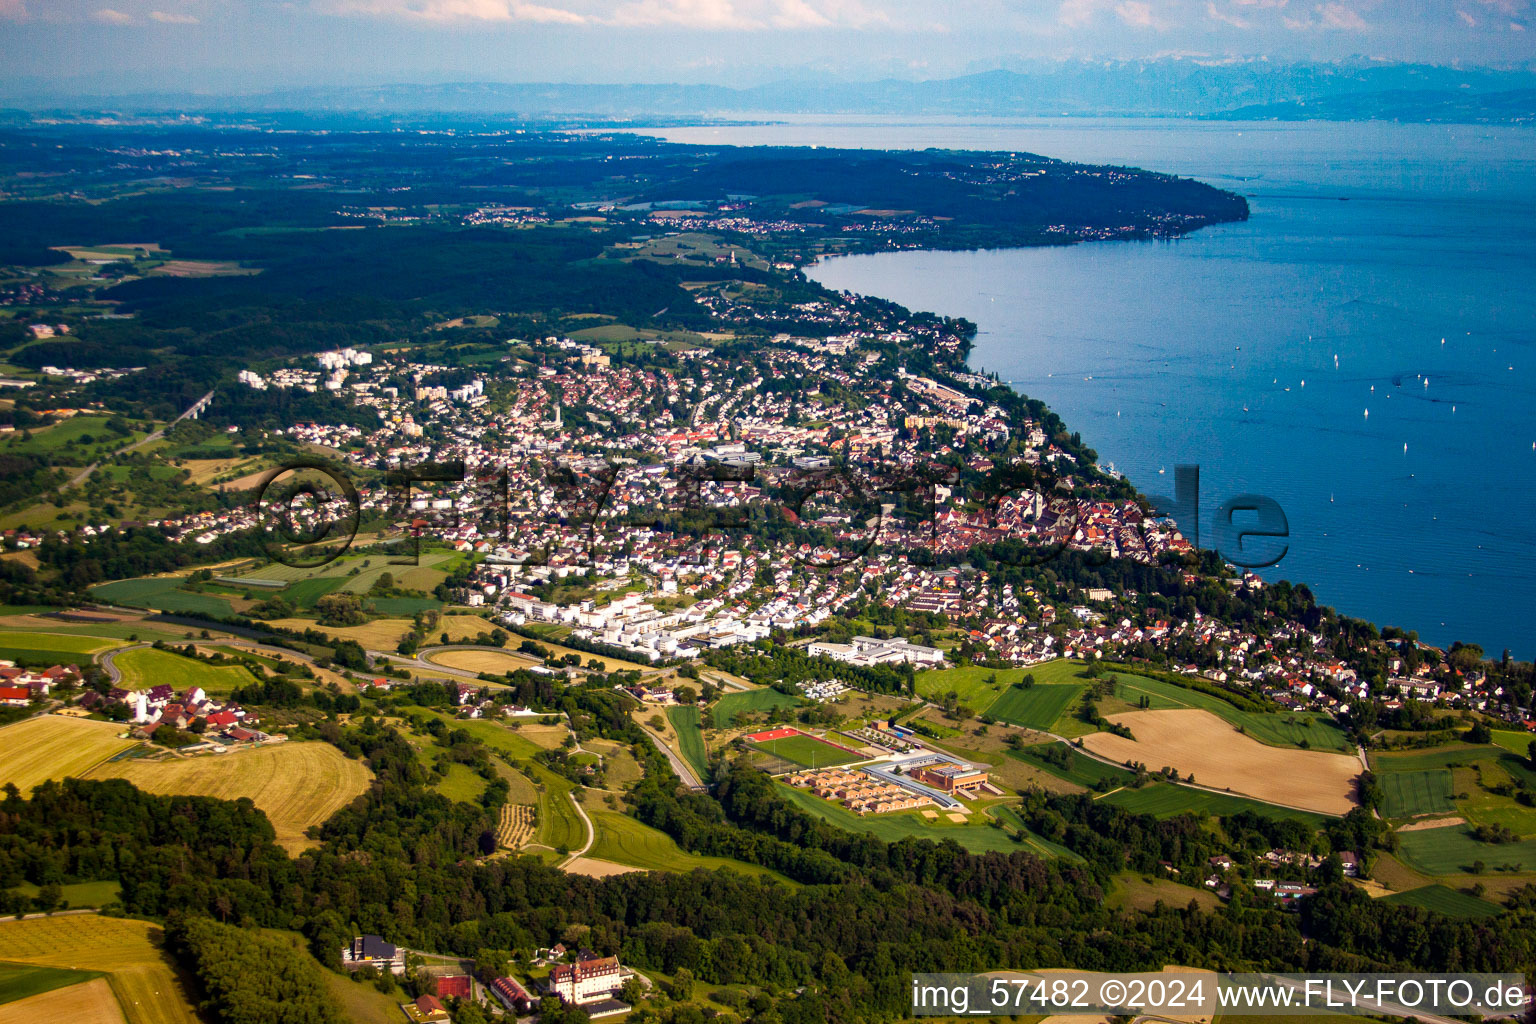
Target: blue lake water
(1392, 268)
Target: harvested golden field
(149, 990)
(296, 784)
(494, 662)
(92, 1001)
(1195, 741)
(594, 868)
(53, 746)
(385, 634)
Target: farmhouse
(373, 951)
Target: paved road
(680, 766)
(80, 477)
(108, 661)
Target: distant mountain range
(1246, 88)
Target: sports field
(145, 982)
(1453, 851)
(1410, 794)
(145, 667)
(1035, 708)
(1166, 800)
(690, 738)
(1444, 900)
(808, 751)
(296, 784)
(1194, 741)
(54, 747)
(624, 840)
(734, 703)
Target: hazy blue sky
(224, 45)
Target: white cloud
(108, 16)
(1137, 13)
(456, 10)
(1330, 16)
(1470, 21)
(13, 10)
(166, 18)
(546, 15)
(1339, 16)
(687, 14)
(1217, 14)
(1077, 13)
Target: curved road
(108, 661)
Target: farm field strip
(1412, 793)
(86, 1001)
(144, 980)
(1445, 900)
(296, 784)
(624, 840)
(61, 642)
(1197, 742)
(1037, 707)
(46, 747)
(1452, 850)
(558, 825)
(1166, 800)
(690, 739)
(145, 667)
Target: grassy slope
(1452, 850)
(1444, 900)
(147, 667)
(624, 840)
(1165, 800)
(734, 703)
(690, 738)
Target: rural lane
(587, 823)
(679, 766)
(196, 406)
(108, 661)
